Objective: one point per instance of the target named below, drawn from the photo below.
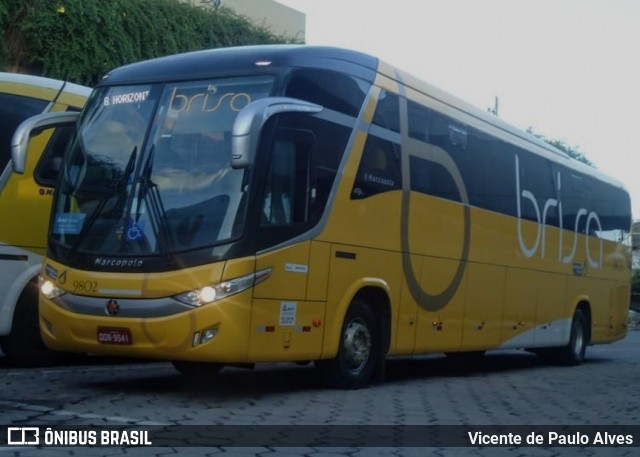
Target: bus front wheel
(359, 350)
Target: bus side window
(48, 167)
(13, 110)
(379, 169)
(286, 195)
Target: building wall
(279, 18)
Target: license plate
(114, 335)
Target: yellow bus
(300, 203)
(25, 205)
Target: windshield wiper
(148, 192)
(121, 184)
(116, 187)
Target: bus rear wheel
(574, 352)
(359, 350)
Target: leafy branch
(81, 40)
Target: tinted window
(433, 179)
(585, 198)
(286, 193)
(576, 197)
(48, 167)
(303, 156)
(455, 138)
(329, 143)
(489, 173)
(536, 177)
(330, 89)
(379, 169)
(13, 110)
(387, 113)
(488, 166)
(612, 207)
(497, 175)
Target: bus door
(285, 325)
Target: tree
(3, 12)
(571, 151)
(81, 40)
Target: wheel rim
(356, 345)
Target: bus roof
(43, 82)
(243, 59)
(272, 58)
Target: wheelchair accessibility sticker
(135, 231)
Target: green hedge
(81, 40)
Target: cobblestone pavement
(504, 388)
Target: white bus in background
(25, 207)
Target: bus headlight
(49, 289)
(210, 294)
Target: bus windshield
(149, 170)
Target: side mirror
(33, 126)
(248, 125)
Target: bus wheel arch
(363, 342)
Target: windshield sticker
(68, 223)
(121, 99)
(208, 102)
(135, 231)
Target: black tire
(23, 347)
(197, 369)
(359, 351)
(574, 352)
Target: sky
(568, 69)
